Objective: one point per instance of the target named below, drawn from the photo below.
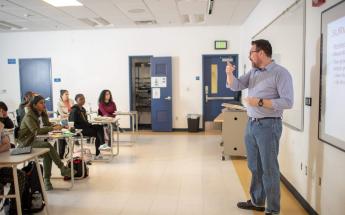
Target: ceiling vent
(146, 22)
(95, 22)
(10, 26)
(102, 21)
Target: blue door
(161, 94)
(35, 75)
(214, 84)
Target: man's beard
(254, 65)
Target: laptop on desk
(19, 151)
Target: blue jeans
(262, 144)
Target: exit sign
(220, 44)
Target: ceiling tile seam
(49, 18)
(124, 14)
(251, 12)
(155, 19)
(178, 10)
(233, 12)
(96, 14)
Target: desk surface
(126, 112)
(219, 118)
(102, 120)
(6, 158)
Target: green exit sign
(220, 44)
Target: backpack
(87, 156)
(78, 166)
(32, 199)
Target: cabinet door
(161, 94)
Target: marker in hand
(230, 68)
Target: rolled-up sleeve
(240, 83)
(285, 91)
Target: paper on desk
(233, 107)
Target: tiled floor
(162, 174)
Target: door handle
(219, 98)
(168, 98)
(206, 93)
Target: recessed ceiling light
(63, 3)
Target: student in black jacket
(4, 117)
(79, 117)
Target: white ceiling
(37, 15)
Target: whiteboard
(286, 34)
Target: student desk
(70, 142)
(109, 121)
(134, 120)
(7, 160)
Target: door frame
(203, 81)
(130, 59)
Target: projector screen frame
(322, 136)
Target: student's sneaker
(104, 147)
(98, 157)
(48, 185)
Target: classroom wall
(297, 148)
(88, 61)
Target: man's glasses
(250, 52)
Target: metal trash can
(193, 122)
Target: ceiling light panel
(31, 3)
(63, 3)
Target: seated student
(6, 174)
(24, 106)
(79, 117)
(64, 106)
(106, 107)
(4, 117)
(36, 122)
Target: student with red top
(106, 107)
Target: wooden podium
(233, 128)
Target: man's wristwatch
(261, 102)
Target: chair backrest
(16, 132)
(18, 117)
(99, 113)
